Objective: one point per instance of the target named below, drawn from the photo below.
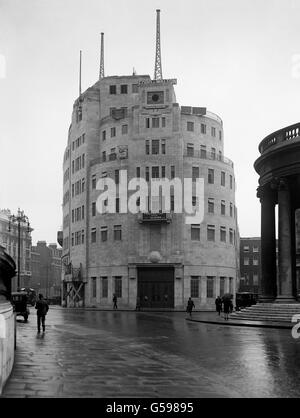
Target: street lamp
(21, 218)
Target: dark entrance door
(156, 287)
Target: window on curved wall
(210, 233)
(223, 234)
(190, 126)
(203, 151)
(213, 131)
(222, 178)
(211, 176)
(213, 153)
(190, 150)
(203, 128)
(211, 206)
(210, 287)
(223, 207)
(195, 232)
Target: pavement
(115, 354)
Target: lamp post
(21, 218)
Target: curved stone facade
(133, 125)
(279, 184)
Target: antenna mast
(101, 73)
(80, 73)
(157, 68)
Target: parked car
(244, 299)
(19, 301)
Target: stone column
(267, 285)
(285, 284)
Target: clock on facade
(155, 97)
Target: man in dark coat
(42, 308)
(218, 303)
(190, 306)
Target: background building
(249, 264)
(135, 124)
(9, 238)
(46, 269)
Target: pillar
(285, 276)
(267, 285)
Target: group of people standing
(225, 305)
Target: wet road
(145, 354)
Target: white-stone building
(135, 124)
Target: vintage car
(245, 299)
(19, 301)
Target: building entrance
(156, 287)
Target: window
(118, 286)
(163, 122)
(135, 88)
(211, 206)
(222, 178)
(138, 172)
(147, 174)
(190, 126)
(93, 235)
(195, 281)
(255, 261)
(246, 248)
(231, 236)
(220, 135)
(117, 176)
(147, 147)
(103, 233)
(163, 146)
(211, 176)
(222, 286)
(155, 172)
(255, 279)
(103, 135)
(112, 132)
(82, 185)
(203, 128)
(231, 285)
(117, 232)
(220, 156)
(124, 129)
(190, 150)
(155, 146)
(104, 282)
(195, 173)
(213, 153)
(93, 208)
(230, 179)
(124, 88)
(210, 287)
(94, 287)
(223, 233)
(172, 171)
(213, 131)
(231, 209)
(155, 122)
(255, 249)
(203, 151)
(117, 205)
(82, 236)
(113, 89)
(246, 261)
(223, 207)
(195, 232)
(103, 156)
(94, 181)
(147, 122)
(210, 232)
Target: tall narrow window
(118, 286)
(195, 173)
(230, 179)
(190, 126)
(103, 233)
(222, 178)
(104, 282)
(93, 235)
(93, 208)
(195, 232)
(190, 150)
(213, 131)
(172, 171)
(117, 176)
(117, 232)
(147, 147)
(124, 129)
(147, 174)
(112, 132)
(203, 128)
(210, 287)
(163, 122)
(155, 122)
(155, 172)
(210, 233)
(138, 172)
(94, 181)
(213, 153)
(155, 146)
(223, 233)
(203, 151)
(163, 146)
(211, 176)
(211, 206)
(147, 122)
(223, 207)
(94, 287)
(195, 282)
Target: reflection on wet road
(145, 354)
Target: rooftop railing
(285, 134)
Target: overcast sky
(238, 58)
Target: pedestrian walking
(227, 303)
(190, 306)
(42, 308)
(138, 304)
(115, 301)
(218, 303)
